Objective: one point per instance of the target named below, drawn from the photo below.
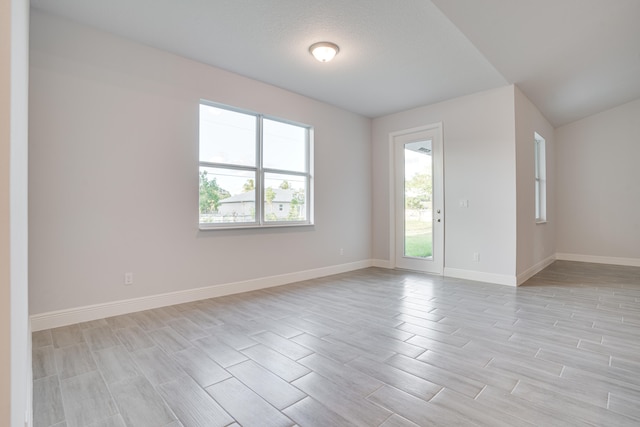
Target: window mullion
(259, 173)
(308, 155)
(285, 172)
(227, 166)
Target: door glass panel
(418, 200)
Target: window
(540, 178)
(246, 157)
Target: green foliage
(418, 191)
(419, 246)
(250, 185)
(285, 185)
(294, 207)
(210, 194)
(418, 238)
(269, 195)
(414, 202)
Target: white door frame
(438, 171)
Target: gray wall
(114, 174)
(479, 155)
(598, 187)
(536, 243)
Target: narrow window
(246, 157)
(540, 178)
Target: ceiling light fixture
(324, 51)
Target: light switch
(464, 203)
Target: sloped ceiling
(572, 58)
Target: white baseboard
(480, 276)
(462, 274)
(381, 263)
(530, 272)
(632, 262)
(75, 315)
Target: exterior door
(418, 215)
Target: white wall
(598, 192)
(479, 166)
(536, 242)
(5, 213)
(15, 337)
(114, 174)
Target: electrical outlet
(341, 251)
(476, 256)
(128, 278)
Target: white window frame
(540, 177)
(260, 173)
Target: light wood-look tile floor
(373, 347)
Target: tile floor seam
(501, 327)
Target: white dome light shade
(324, 51)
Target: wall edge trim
(535, 269)
(631, 262)
(381, 263)
(480, 276)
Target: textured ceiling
(572, 58)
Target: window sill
(541, 221)
(204, 227)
